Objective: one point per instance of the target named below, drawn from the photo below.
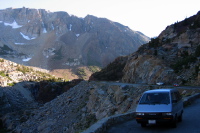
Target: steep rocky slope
(18, 84)
(76, 109)
(172, 57)
(23, 89)
(56, 40)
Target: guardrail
(102, 125)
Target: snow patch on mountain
(27, 37)
(70, 27)
(44, 29)
(14, 25)
(52, 26)
(19, 43)
(26, 59)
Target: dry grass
(70, 74)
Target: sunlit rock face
(147, 69)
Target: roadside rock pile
(16, 104)
(77, 109)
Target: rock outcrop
(147, 69)
(11, 73)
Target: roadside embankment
(103, 124)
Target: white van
(159, 106)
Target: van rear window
(155, 98)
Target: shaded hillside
(24, 87)
(112, 72)
(56, 40)
(172, 57)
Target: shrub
(1, 60)
(2, 73)
(197, 51)
(155, 52)
(195, 24)
(81, 72)
(154, 42)
(11, 84)
(183, 62)
(196, 70)
(24, 69)
(94, 69)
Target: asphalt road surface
(190, 123)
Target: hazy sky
(147, 16)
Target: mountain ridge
(172, 57)
(56, 40)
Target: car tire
(180, 118)
(143, 124)
(174, 123)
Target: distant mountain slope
(56, 40)
(22, 87)
(12, 73)
(172, 57)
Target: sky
(150, 17)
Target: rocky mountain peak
(56, 40)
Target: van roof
(160, 90)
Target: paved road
(190, 123)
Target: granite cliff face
(56, 40)
(147, 69)
(172, 57)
